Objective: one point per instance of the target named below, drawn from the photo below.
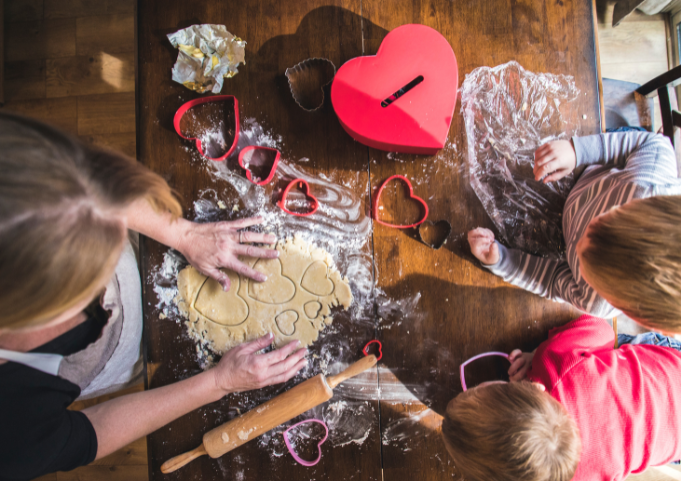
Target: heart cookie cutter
(444, 227)
(252, 149)
(307, 81)
(192, 103)
(377, 200)
(300, 183)
(319, 444)
(365, 351)
(479, 356)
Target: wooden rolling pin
(268, 416)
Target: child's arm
(550, 278)
(557, 159)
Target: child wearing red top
(619, 410)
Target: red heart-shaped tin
(377, 200)
(199, 144)
(301, 183)
(402, 99)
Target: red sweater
(626, 401)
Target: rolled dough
(294, 302)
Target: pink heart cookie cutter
(192, 103)
(418, 199)
(301, 183)
(252, 149)
(319, 444)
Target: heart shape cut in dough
(319, 444)
(221, 307)
(277, 289)
(206, 125)
(259, 157)
(312, 309)
(377, 201)
(402, 99)
(286, 322)
(435, 234)
(302, 184)
(316, 279)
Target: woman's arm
(208, 247)
(122, 420)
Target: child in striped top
(622, 229)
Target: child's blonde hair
(511, 431)
(59, 236)
(633, 259)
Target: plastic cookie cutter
(484, 354)
(365, 351)
(248, 153)
(300, 183)
(192, 103)
(377, 201)
(319, 444)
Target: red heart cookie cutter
(300, 183)
(192, 103)
(254, 148)
(389, 104)
(377, 200)
(380, 349)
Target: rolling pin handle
(173, 464)
(354, 369)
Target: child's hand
(520, 364)
(554, 160)
(483, 246)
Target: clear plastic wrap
(508, 113)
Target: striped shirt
(618, 167)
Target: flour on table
(294, 302)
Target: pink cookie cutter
(484, 354)
(365, 351)
(192, 103)
(377, 201)
(255, 148)
(293, 183)
(319, 444)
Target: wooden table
(464, 309)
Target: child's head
(632, 257)
(62, 219)
(511, 431)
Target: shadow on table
(424, 348)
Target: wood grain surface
(463, 309)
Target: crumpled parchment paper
(208, 54)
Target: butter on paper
(207, 55)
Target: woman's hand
(209, 247)
(241, 369)
(483, 246)
(520, 364)
(554, 160)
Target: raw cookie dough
(293, 303)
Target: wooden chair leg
(666, 110)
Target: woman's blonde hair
(59, 235)
(633, 259)
(511, 432)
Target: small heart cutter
(307, 80)
(293, 183)
(319, 444)
(248, 152)
(377, 200)
(192, 103)
(444, 227)
(365, 351)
